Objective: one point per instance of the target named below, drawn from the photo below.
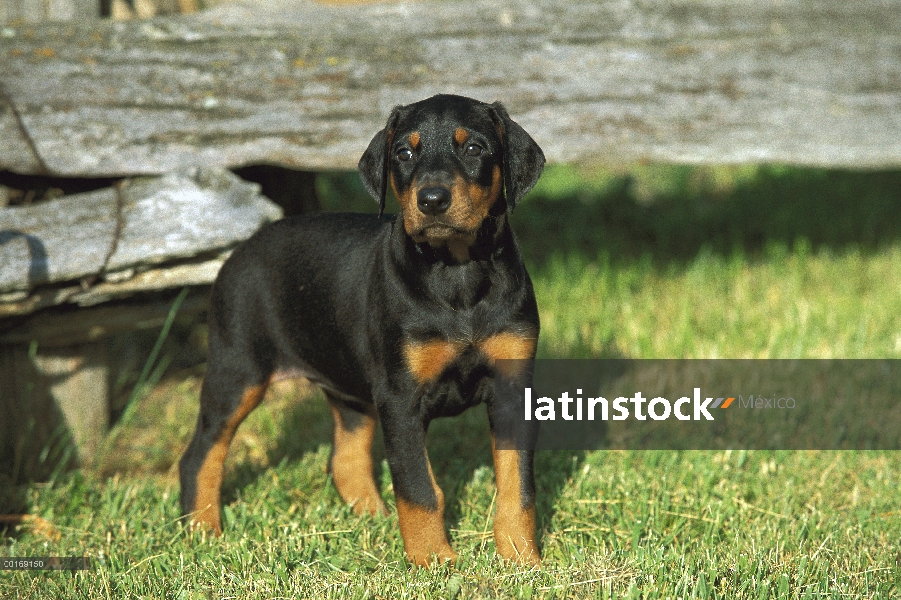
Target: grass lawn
(656, 262)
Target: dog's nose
(433, 200)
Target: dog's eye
(404, 154)
(473, 150)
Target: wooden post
(55, 404)
(32, 11)
(56, 373)
(34, 435)
(77, 380)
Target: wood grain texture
(307, 85)
(177, 217)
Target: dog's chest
(427, 359)
(453, 375)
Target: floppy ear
(523, 158)
(373, 165)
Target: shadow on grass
(304, 423)
(553, 470)
(670, 213)
(461, 446)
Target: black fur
(338, 297)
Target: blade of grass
(150, 374)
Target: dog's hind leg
(351, 461)
(226, 399)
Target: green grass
(789, 304)
(657, 262)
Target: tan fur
(352, 465)
(426, 360)
(509, 345)
(470, 204)
(514, 525)
(209, 477)
(423, 529)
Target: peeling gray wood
(305, 85)
(170, 276)
(178, 216)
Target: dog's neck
(492, 239)
(437, 273)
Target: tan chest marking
(509, 345)
(428, 359)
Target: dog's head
(451, 161)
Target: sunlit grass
(791, 304)
(664, 262)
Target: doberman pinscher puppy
(399, 319)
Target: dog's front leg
(513, 448)
(514, 523)
(420, 502)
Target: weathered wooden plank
(61, 329)
(178, 216)
(305, 85)
(171, 276)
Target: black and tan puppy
(399, 319)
